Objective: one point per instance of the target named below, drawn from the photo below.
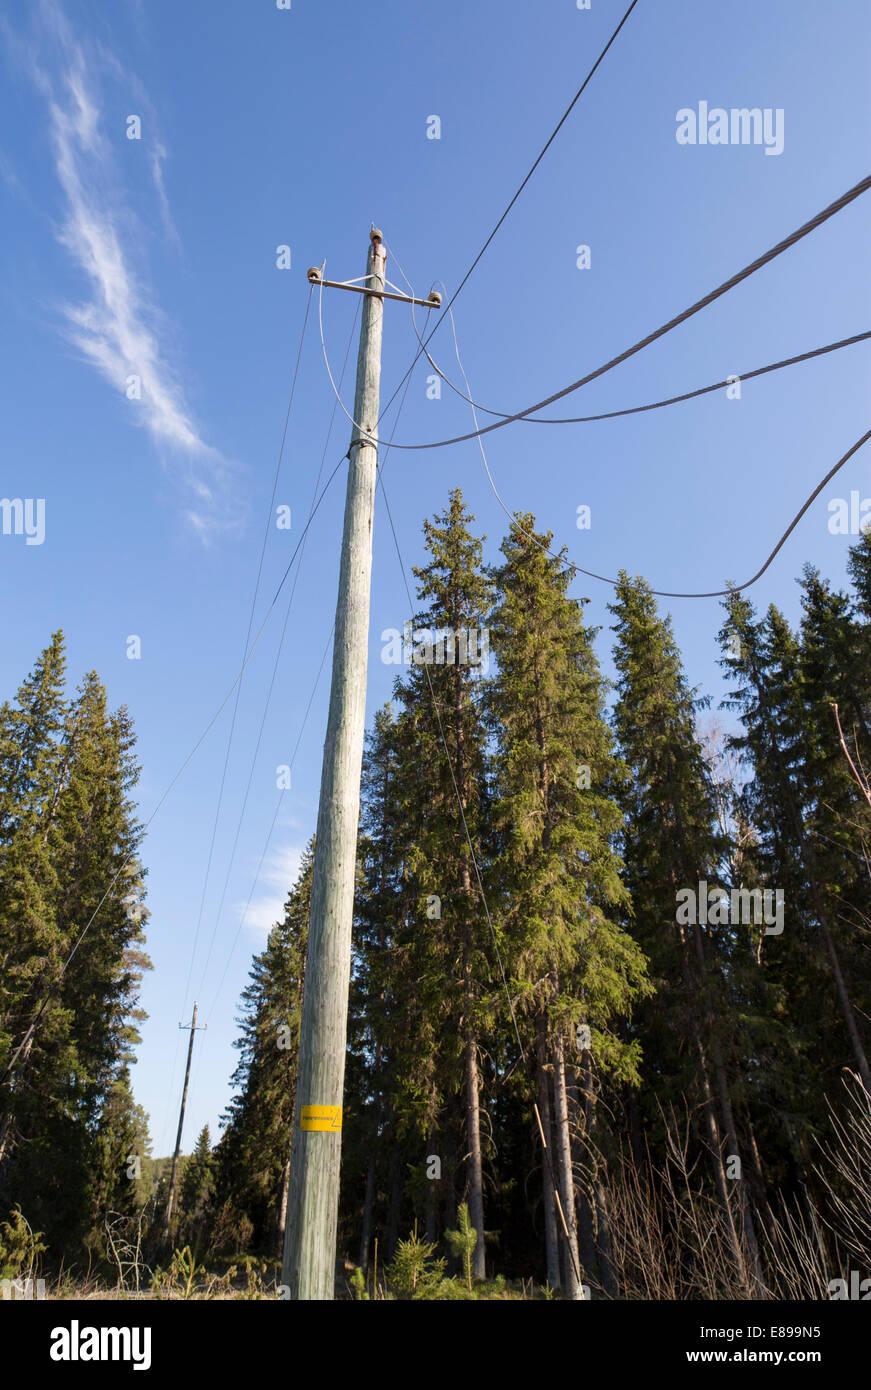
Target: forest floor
(231, 1286)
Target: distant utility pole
(184, 1096)
(316, 1143)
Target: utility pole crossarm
(315, 277)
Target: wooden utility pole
(313, 1196)
(184, 1096)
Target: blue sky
(157, 256)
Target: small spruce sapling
(413, 1273)
(462, 1241)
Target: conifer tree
(835, 814)
(672, 846)
(392, 1097)
(859, 569)
(765, 659)
(71, 940)
(32, 944)
(448, 947)
(253, 1155)
(122, 1166)
(561, 897)
(197, 1188)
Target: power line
(206, 731)
(278, 805)
(387, 446)
(245, 649)
(557, 128)
(714, 593)
(657, 593)
(232, 729)
(705, 390)
(653, 405)
(794, 237)
(544, 149)
(630, 410)
(268, 700)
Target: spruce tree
(766, 661)
(197, 1188)
(253, 1155)
(392, 1095)
(561, 898)
(122, 1167)
(442, 726)
(672, 845)
(71, 940)
(31, 947)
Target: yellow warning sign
(321, 1117)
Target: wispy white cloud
(157, 160)
(118, 327)
(278, 875)
(155, 150)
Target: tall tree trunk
(431, 1204)
(638, 1154)
(564, 1165)
(368, 1200)
(473, 1104)
(694, 984)
(5, 1145)
(743, 1195)
(843, 997)
(8, 1120)
(758, 1185)
(715, 1150)
(747, 1123)
(449, 1209)
(753, 1274)
(473, 1111)
(583, 1164)
(395, 1187)
(473, 1133)
(281, 1211)
(603, 1240)
(804, 1182)
(809, 860)
(551, 1246)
